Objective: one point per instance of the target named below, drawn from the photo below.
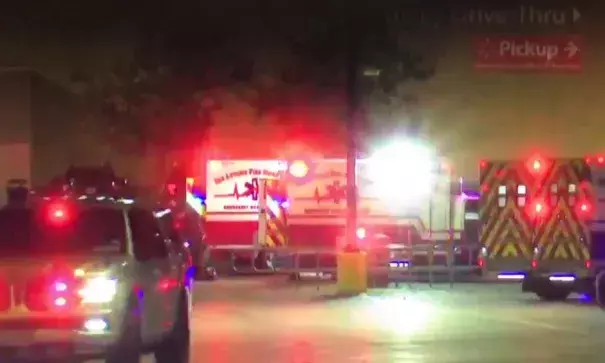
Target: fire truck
(408, 203)
(542, 222)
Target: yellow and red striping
(509, 230)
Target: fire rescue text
(247, 172)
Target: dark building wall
(15, 111)
(53, 120)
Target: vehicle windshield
(34, 232)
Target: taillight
(98, 290)
(61, 293)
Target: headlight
(99, 290)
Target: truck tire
(175, 347)
(128, 348)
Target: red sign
(559, 52)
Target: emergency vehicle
(88, 275)
(234, 218)
(542, 222)
(401, 202)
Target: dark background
(197, 77)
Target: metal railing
(393, 262)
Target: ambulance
(543, 222)
(407, 197)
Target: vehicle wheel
(128, 348)
(175, 347)
(553, 294)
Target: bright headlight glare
(99, 290)
(402, 171)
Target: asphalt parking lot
(260, 320)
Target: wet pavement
(270, 320)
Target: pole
(352, 129)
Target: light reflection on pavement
(266, 320)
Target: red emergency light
(600, 159)
(58, 213)
(538, 209)
(536, 165)
(583, 209)
(298, 169)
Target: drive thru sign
(561, 52)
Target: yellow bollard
(351, 272)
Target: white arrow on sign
(572, 49)
(576, 15)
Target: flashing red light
(538, 209)
(536, 164)
(534, 264)
(58, 213)
(167, 284)
(482, 164)
(600, 159)
(588, 264)
(583, 208)
(298, 169)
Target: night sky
(469, 113)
